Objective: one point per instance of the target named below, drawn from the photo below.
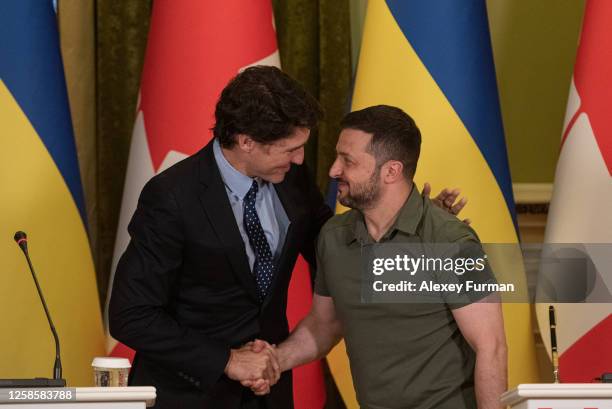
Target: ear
(392, 171)
(245, 142)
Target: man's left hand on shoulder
(447, 200)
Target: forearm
(309, 341)
(491, 377)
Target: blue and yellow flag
(434, 60)
(41, 193)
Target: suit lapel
(215, 202)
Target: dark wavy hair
(395, 135)
(264, 103)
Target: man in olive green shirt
(403, 355)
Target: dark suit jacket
(183, 292)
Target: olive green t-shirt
(402, 355)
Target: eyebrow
(344, 154)
(295, 148)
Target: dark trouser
(253, 402)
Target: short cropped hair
(395, 135)
(264, 103)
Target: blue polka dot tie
(263, 268)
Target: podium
(559, 396)
(131, 397)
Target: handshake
(255, 365)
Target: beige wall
(534, 46)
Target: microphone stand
(57, 380)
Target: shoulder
(168, 184)
(338, 229)
(339, 222)
(180, 171)
(442, 227)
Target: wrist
(283, 356)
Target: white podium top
(117, 394)
(557, 391)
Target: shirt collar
(237, 182)
(407, 220)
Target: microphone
(22, 240)
(553, 343)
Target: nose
(298, 156)
(336, 169)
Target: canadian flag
(194, 48)
(581, 206)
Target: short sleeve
(473, 280)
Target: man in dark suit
(213, 242)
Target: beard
(361, 196)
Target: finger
(272, 364)
(265, 389)
(269, 348)
(261, 388)
(259, 345)
(247, 383)
(426, 189)
(442, 195)
(274, 372)
(459, 206)
(277, 370)
(258, 385)
(262, 392)
(269, 374)
(263, 358)
(266, 345)
(270, 351)
(275, 365)
(451, 197)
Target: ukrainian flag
(434, 60)
(41, 193)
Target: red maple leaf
(194, 48)
(593, 75)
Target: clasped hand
(255, 365)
